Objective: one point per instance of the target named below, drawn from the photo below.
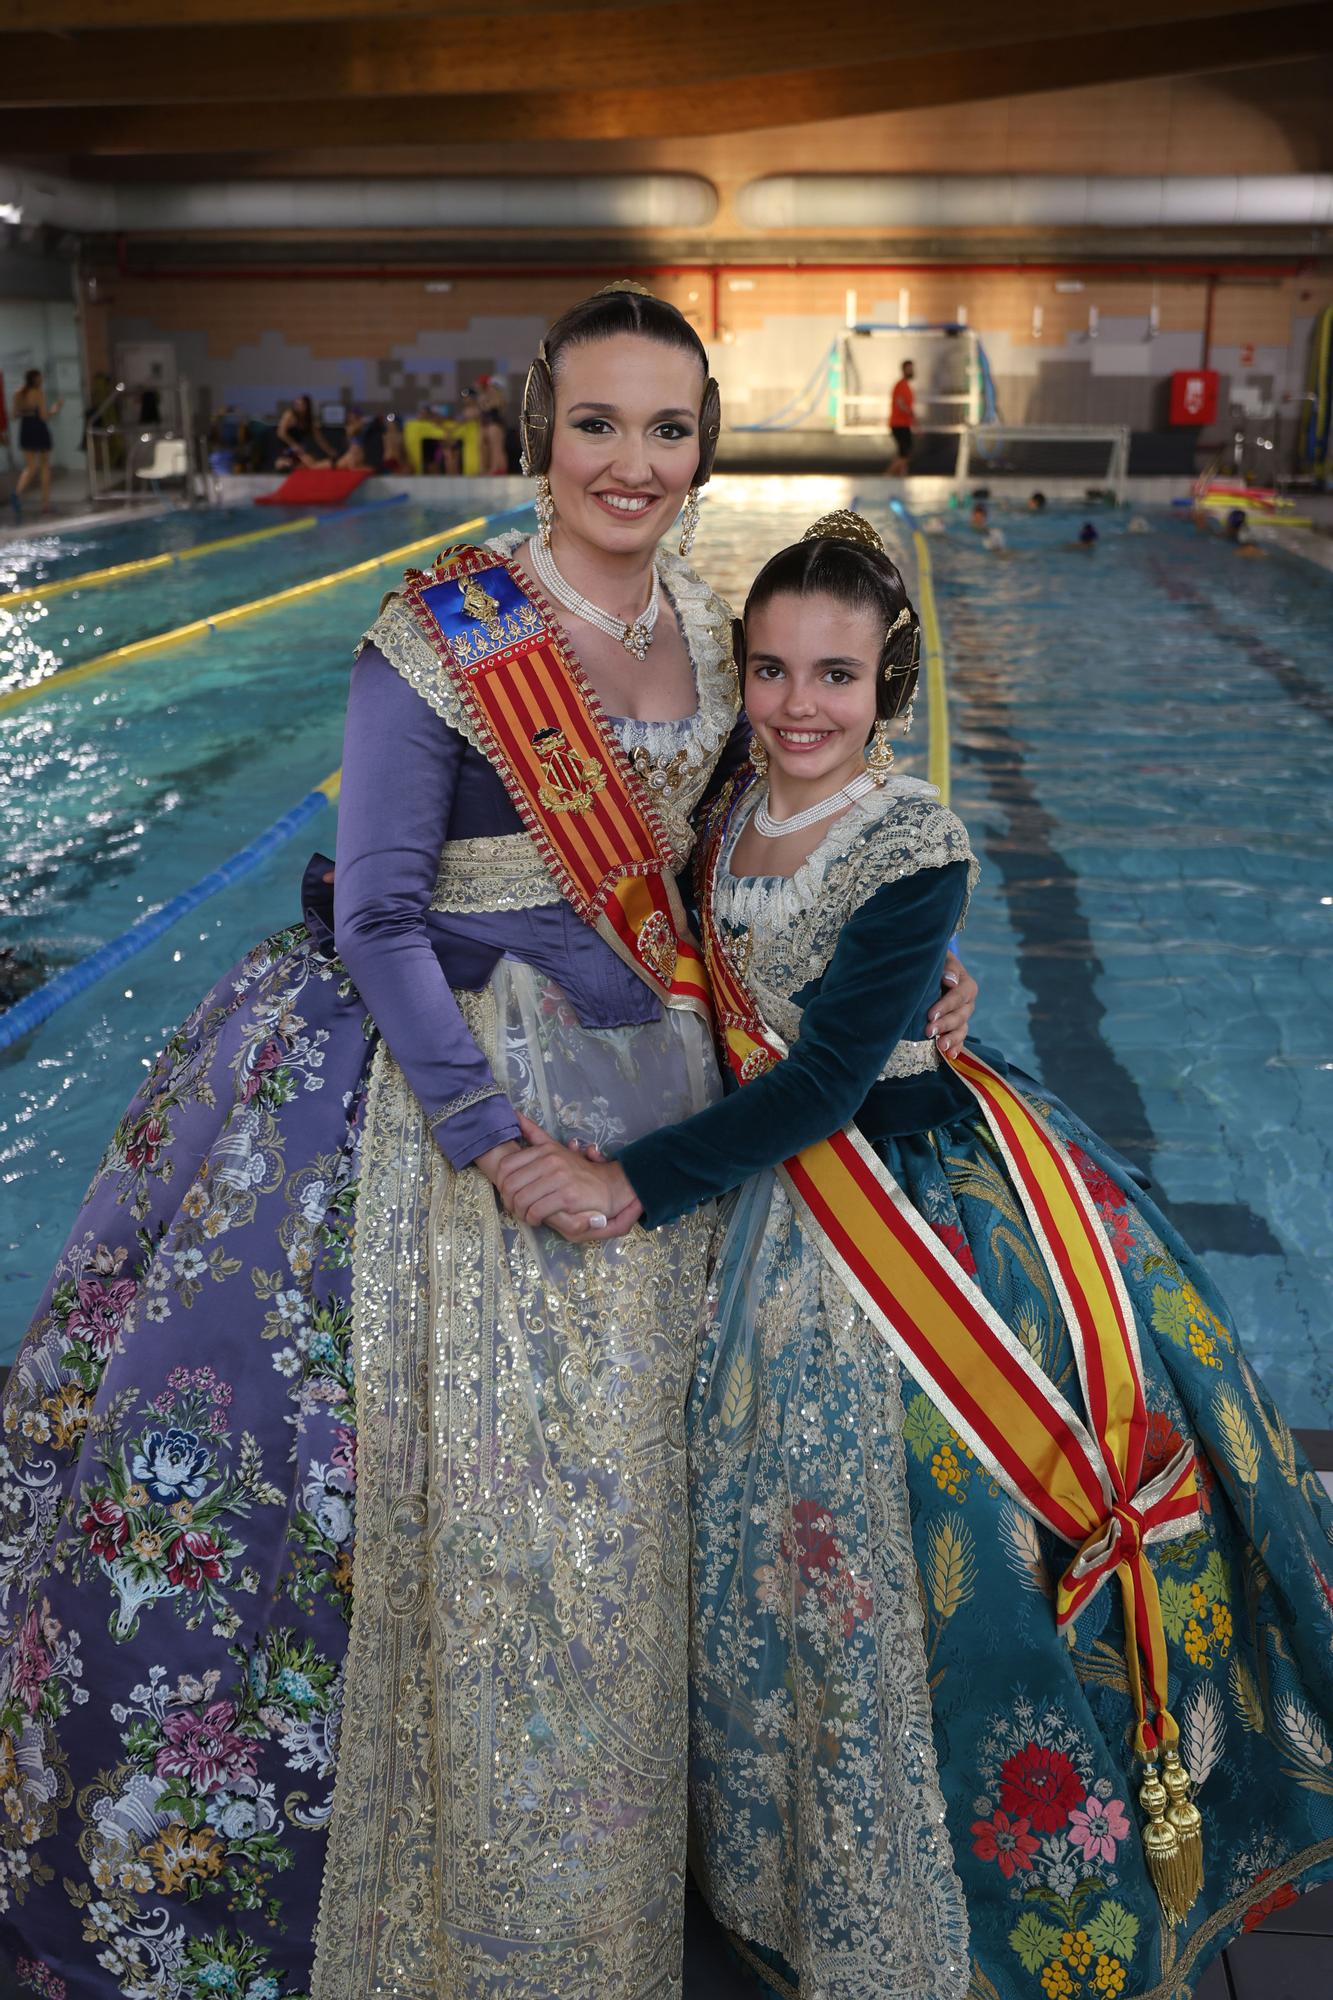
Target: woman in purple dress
(294, 1355)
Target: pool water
(41, 637)
(1142, 749)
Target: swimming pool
(1143, 752)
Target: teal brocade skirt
(854, 1565)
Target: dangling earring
(759, 756)
(879, 757)
(689, 521)
(545, 506)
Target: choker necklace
(635, 636)
(855, 788)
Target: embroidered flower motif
(179, 1855)
(195, 1558)
(1041, 1784)
(99, 1312)
(32, 1664)
(1006, 1842)
(1280, 1898)
(954, 1241)
(1097, 1827)
(146, 1143)
(172, 1464)
(205, 1748)
(1105, 1192)
(1118, 1230)
(106, 1527)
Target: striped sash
(539, 723)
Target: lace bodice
(786, 928)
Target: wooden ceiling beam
(64, 16)
(633, 48)
(739, 105)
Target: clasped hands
(570, 1188)
(586, 1198)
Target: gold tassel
(1185, 1817)
(1171, 1874)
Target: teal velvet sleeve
(879, 984)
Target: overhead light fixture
(11, 211)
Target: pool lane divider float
(121, 656)
(29, 1013)
(61, 586)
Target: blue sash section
(472, 630)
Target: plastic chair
(170, 460)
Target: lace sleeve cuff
(472, 1123)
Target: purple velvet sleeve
(400, 771)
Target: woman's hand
(577, 1228)
(948, 1018)
(545, 1182)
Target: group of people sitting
(470, 437)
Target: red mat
(315, 486)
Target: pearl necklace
(855, 788)
(635, 636)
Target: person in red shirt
(902, 410)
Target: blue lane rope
(29, 1013)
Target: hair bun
(844, 526)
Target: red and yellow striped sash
(541, 726)
(1080, 1478)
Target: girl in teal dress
(909, 1782)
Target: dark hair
(1038, 500)
(609, 313)
(32, 378)
(602, 317)
(861, 579)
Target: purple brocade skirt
(178, 1482)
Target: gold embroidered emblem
(657, 946)
(479, 604)
(572, 781)
(755, 1064)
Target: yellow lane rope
(937, 694)
(108, 662)
(62, 585)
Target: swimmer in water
(1088, 538)
(980, 516)
(1237, 532)
(1036, 503)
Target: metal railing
(120, 454)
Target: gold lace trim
(463, 1102)
(501, 871)
(509, 1812)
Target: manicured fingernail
(597, 1222)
